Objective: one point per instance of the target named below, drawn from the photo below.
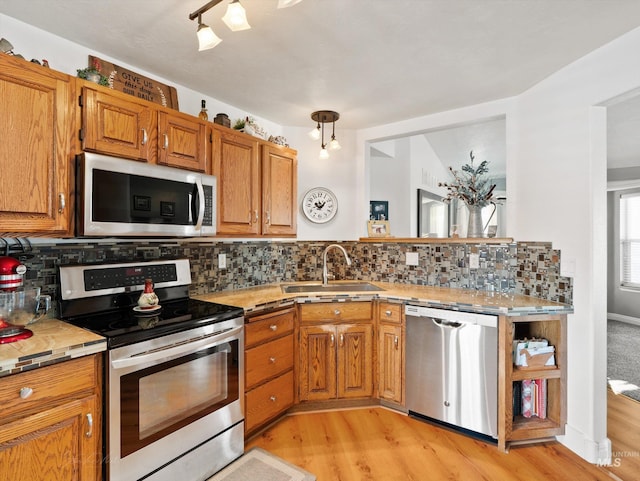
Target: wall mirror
(402, 166)
(433, 215)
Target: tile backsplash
(531, 268)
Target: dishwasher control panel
(487, 320)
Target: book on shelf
(532, 395)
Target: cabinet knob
(272, 360)
(25, 392)
(387, 313)
(333, 339)
(272, 399)
(341, 340)
(273, 327)
(255, 212)
(337, 312)
(145, 137)
(165, 146)
(395, 342)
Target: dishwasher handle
(447, 324)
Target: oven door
(168, 396)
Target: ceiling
(374, 61)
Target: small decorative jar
(148, 298)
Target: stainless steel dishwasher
(452, 368)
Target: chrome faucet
(325, 274)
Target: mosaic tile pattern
(525, 268)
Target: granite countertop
(254, 299)
(52, 341)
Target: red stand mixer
(18, 306)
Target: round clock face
(319, 205)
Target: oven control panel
(78, 281)
(96, 279)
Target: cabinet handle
(272, 399)
(256, 215)
(332, 340)
(25, 392)
(145, 137)
(62, 202)
(387, 313)
(337, 312)
(395, 342)
(89, 433)
(273, 327)
(165, 146)
(250, 222)
(272, 360)
(267, 219)
(341, 340)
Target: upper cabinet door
(237, 170)
(36, 120)
(279, 190)
(119, 127)
(182, 142)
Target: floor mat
(258, 464)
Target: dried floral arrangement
(471, 186)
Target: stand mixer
(18, 306)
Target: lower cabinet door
(58, 444)
(355, 360)
(267, 401)
(390, 362)
(317, 362)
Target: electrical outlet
(411, 258)
(222, 261)
(474, 261)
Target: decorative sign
(132, 83)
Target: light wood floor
(382, 445)
(623, 429)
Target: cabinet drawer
(336, 311)
(268, 400)
(47, 384)
(268, 326)
(268, 360)
(388, 312)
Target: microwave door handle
(201, 203)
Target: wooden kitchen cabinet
(335, 351)
(257, 185)
(534, 429)
(123, 126)
(36, 157)
(269, 380)
(50, 428)
(391, 351)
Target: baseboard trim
(588, 449)
(619, 317)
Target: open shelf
(550, 372)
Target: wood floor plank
(377, 444)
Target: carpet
(260, 465)
(623, 358)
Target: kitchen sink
(341, 287)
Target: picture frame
(379, 210)
(378, 228)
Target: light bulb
(206, 38)
(236, 17)
(315, 133)
(324, 154)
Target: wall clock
(319, 205)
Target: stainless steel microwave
(117, 197)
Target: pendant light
(206, 37)
(322, 117)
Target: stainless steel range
(174, 376)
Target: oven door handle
(177, 350)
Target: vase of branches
(473, 187)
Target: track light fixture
(322, 117)
(235, 18)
